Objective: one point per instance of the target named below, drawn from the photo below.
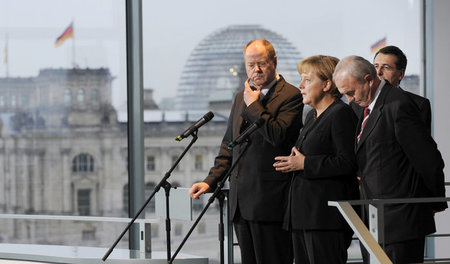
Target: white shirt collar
(377, 93)
(266, 88)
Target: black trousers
(321, 246)
(405, 252)
(263, 242)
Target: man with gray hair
(393, 150)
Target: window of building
(198, 162)
(25, 100)
(150, 163)
(149, 187)
(83, 163)
(94, 95)
(88, 233)
(84, 201)
(67, 96)
(13, 101)
(2, 100)
(80, 95)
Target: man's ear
(402, 74)
(368, 78)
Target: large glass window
(58, 52)
(62, 76)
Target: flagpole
(6, 56)
(73, 45)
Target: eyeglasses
(384, 67)
(262, 64)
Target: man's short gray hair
(357, 67)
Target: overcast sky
(172, 29)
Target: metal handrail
(76, 218)
(376, 207)
(141, 222)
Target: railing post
(376, 226)
(145, 236)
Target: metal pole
(135, 114)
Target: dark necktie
(366, 117)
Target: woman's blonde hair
(323, 67)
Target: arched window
(83, 163)
(80, 96)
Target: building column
(3, 177)
(65, 179)
(37, 183)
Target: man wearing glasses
(390, 63)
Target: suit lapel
(273, 92)
(370, 125)
(374, 116)
(239, 121)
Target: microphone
(205, 119)
(246, 133)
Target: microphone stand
(216, 193)
(221, 199)
(166, 185)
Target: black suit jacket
(260, 191)
(329, 173)
(424, 107)
(422, 104)
(398, 158)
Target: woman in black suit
(323, 165)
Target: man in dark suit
(396, 157)
(258, 193)
(390, 63)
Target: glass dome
(215, 69)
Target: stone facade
(63, 151)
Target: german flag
(378, 45)
(68, 33)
